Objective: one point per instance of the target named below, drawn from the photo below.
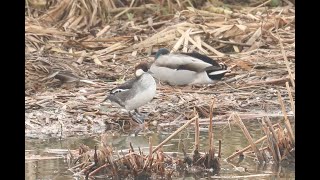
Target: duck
(135, 92)
(41, 73)
(186, 68)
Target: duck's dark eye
(145, 68)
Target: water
(231, 141)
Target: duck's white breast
(144, 91)
(202, 78)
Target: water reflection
(232, 140)
(47, 169)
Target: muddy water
(231, 140)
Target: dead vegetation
(70, 42)
(101, 41)
(134, 164)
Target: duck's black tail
(217, 73)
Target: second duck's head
(141, 69)
(161, 51)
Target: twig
(232, 43)
(219, 54)
(259, 6)
(197, 132)
(90, 165)
(61, 127)
(285, 58)
(261, 149)
(211, 127)
(249, 138)
(98, 169)
(193, 42)
(236, 78)
(274, 135)
(219, 152)
(286, 120)
(76, 166)
(291, 99)
(273, 81)
(27, 4)
(131, 147)
(249, 147)
(270, 142)
(150, 154)
(181, 39)
(153, 24)
(173, 134)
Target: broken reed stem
(150, 154)
(185, 45)
(274, 136)
(249, 147)
(133, 161)
(76, 166)
(173, 134)
(95, 156)
(272, 81)
(259, 6)
(124, 157)
(140, 152)
(212, 49)
(286, 120)
(285, 58)
(249, 138)
(211, 147)
(131, 147)
(291, 98)
(232, 43)
(197, 132)
(150, 147)
(192, 41)
(160, 160)
(28, 8)
(261, 149)
(181, 40)
(219, 152)
(96, 170)
(271, 128)
(113, 167)
(270, 142)
(87, 168)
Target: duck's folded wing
(217, 69)
(121, 93)
(123, 87)
(202, 57)
(181, 62)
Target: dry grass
(102, 41)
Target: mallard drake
(135, 92)
(186, 68)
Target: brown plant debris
(280, 148)
(107, 163)
(71, 43)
